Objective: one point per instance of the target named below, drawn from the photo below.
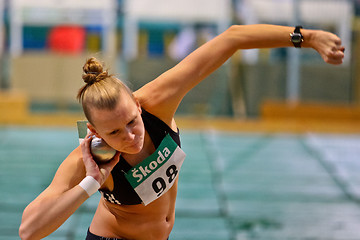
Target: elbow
(234, 29)
(25, 233)
(234, 36)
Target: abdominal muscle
(152, 222)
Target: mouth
(138, 144)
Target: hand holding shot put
(99, 170)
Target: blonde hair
(101, 91)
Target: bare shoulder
(162, 95)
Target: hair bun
(93, 71)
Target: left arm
(163, 95)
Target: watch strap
(297, 29)
(298, 36)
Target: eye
(132, 121)
(114, 132)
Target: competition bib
(157, 173)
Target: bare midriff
(152, 222)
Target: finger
(336, 56)
(338, 48)
(334, 61)
(339, 54)
(85, 148)
(338, 41)
(85, 145)
(111, 164)
(106, 168)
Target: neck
(147, 150)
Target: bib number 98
(159, 184)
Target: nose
(129, 135)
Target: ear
(92, 129)
(138, 105)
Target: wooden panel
(13, 107)
(50, 78)
(280, 110)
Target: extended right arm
(64, 195)
(49, 211)
(56, 204)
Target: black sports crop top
(123, 193)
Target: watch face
(296, 37)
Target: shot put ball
(101, 151)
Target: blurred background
(272, 136)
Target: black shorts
(91, 236)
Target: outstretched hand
(102, 171)
(328, 45)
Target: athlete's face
(121, 128)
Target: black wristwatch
(296, 37)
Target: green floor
(232, 185)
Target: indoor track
(232, 185)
